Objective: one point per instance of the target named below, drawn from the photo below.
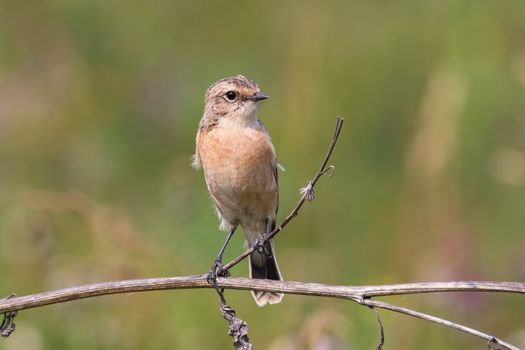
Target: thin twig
(441, 321)
(360, 294)
(306, 195)
(381, 330)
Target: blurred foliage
(99, 103)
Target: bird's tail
(264, 266)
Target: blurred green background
(99, 104)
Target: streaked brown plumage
(240, 168)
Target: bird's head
(234, 101)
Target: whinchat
(240, 169)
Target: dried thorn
(8, 325)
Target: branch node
(359, 299)
(8, 325)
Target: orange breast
(239, 168)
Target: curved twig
(430, 318)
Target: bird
(240, 167)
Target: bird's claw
(216, 270)
(260, 245)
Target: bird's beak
(259, 96)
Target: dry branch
(238, 328)
(359, 294)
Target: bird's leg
(216, 269)
(261, 240)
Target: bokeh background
(99, 104)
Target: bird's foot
(216, 270)
(261, 245)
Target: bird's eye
(230, 96)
